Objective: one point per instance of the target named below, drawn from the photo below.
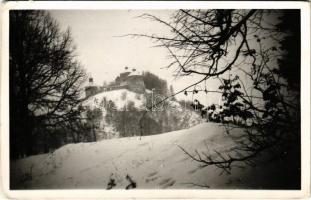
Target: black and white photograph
(155, 99)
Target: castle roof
(135, 73)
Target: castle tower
(135, 81)
(91, 81)
(91, 89)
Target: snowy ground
(152, 162)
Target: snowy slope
(152, 162)
(121, 98)
(116, 97)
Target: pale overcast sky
(104, 55)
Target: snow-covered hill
(169, 116)
(119, 97)
(151, 161)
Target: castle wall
(117, 87)
(133, 83)
(91, 90)
(136, 84)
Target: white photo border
(304, 192)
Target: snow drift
(152, 162)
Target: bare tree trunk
(46, 149)
(73, 136)
(94, 133)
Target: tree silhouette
(153, 82)
(255, 55)
(93, 119)
(45, 78)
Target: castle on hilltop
(130, 79)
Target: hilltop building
(131, 80)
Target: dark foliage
(290, 62)
(256, 59)
(93, 117)
(153, 82)
(45, 81)
(132, 183)
(111, 183)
